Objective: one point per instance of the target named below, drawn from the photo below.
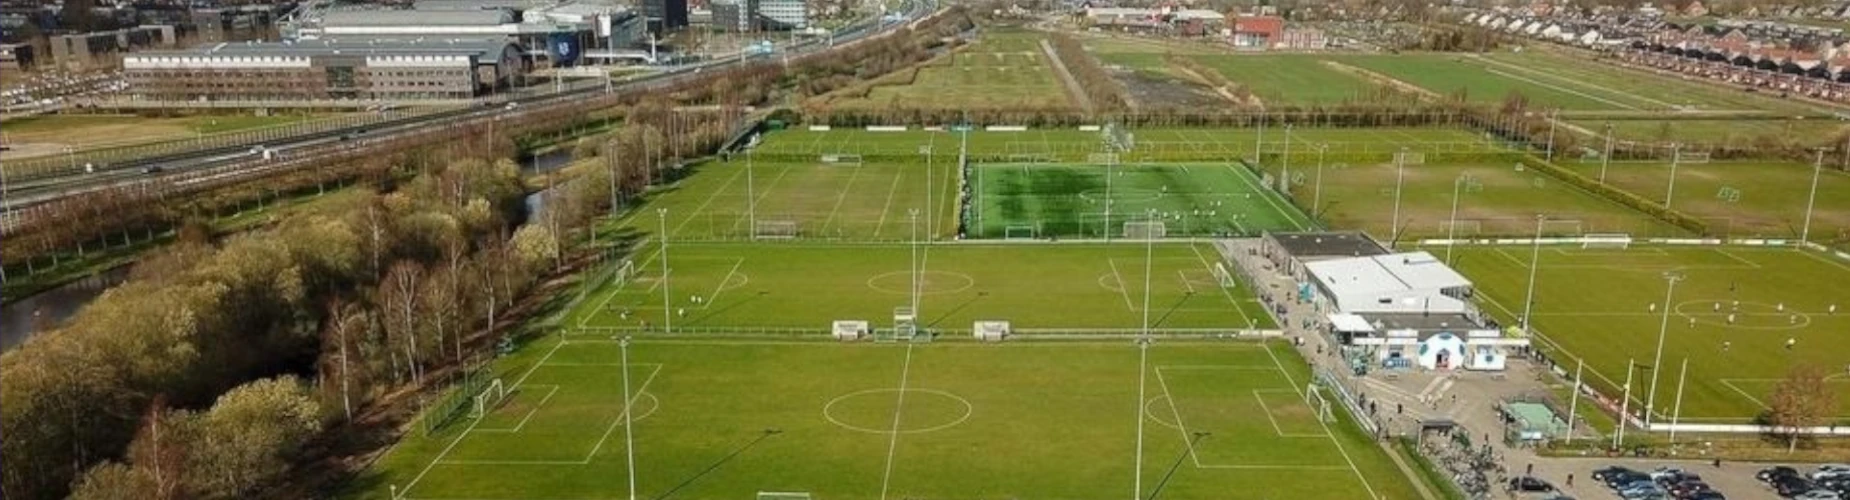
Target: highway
(248, 157)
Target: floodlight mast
(1650, 400)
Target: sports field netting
(1783, 294)
(1069, 144)
(717, 420)
(785, 288)
(1065, 200)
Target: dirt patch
(1073, 92)
(1144, 88)
(1383, 79)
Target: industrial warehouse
(327, 69)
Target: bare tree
(1800, 400)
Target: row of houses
(1260, 31)
(1585, 34)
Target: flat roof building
(326, 69)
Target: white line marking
(1326, 429)
(1263, 193)
(1223, 290)
(899, 405)
(1180, 426)
(1122, 291)
(536, 409)
(888, 208)
(465, 433)
(841, 198)
(627, 406)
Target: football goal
(1692, 157)
(1467, 227)
(1313, 396)
(775, 229)
(1222, 276)
(783, 495)
(488, 399)
(1145, 230)
(1410, 158)
(1563, 227)
(1021, 232)
(843, 159)
(1619, 241)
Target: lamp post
(1663, 327)
(629, 439)
(1817, 168)
(1535, 256)
(667, 310)
(1400, 175)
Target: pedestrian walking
(1570, 480)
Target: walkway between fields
(1066, 78)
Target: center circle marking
(931, 282)
(828, 410)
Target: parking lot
(1734, 480)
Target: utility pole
(1535, 256)
(1663, 327)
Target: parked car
(1641, 489)
(1827, 471)
(1687, 488)
(1530, 484)
(1605, 474)
(1768, 474)
(1665, 471)
(1617, 480)
(1817, 495)
(1791, 486)
(1706, 495)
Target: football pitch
(1042, 420)
(1741, 199)
(799, 288)
(740, 199)
(1597, 306)
(1492, 200)
(1152, 144)
(1039, 200)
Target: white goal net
(488, 399)
(1610, 241)
(1313, 396)
(1687, 157)
(1410, 158)
(1145, 230)
(774, 229)
(1021, 232)
(1222, 276)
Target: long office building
(326, 69)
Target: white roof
(1385, 273)
(1353, 323)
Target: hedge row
(1623, 197)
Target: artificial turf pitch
(1047, 200)
(1596, 305)
(1052, 420)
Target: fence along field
(1596, 305)
(1042, 200)
(730, 420)
(1741, 199)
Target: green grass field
(727, 420)
(867, 201)
(1003, 70)
(1596, 305)
(1151, 144)
(1493, 200)
(1550, 80)
(1032, 200)
(1290, 79)
(782, 288)
(1735, 133)
(1770, 203)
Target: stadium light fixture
(1817, 167)
(1676, 156)
(1650, 400)
(667, 309)
(1400, 171)
(1605, 159)
(1316, 202)
(1535, 256)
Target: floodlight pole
(751, 199)
(1317, 193)
(1817, 167)
(1676, 155)
(1149, 251)
(1143, 359)
(629, 440)
(913, 266)
(1552, 115)
(1400, 171)
(1605, 159)
(1573, 400)
(1535, 256)
(1676, 411)
(1650, 400)
(1259, 142)
(1451, 224)
(930, 208)
(1111, 160)
(667, 312)
(1284, 177)
(1625, 404)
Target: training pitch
(804, 288)
(729, 420)
(1596, 305)
(1492, 200)
(1741, 199)
(1038, 200)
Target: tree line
(1106, 94)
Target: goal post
(783, 495)
(841, 159)
(1410, 158)
(1618, 241)
(1692, 157)
(774, 229)
(1222, 276)
(1313, 396)
(1021, 231)
(1145, 230)
(488, 399)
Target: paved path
(1467, 398)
